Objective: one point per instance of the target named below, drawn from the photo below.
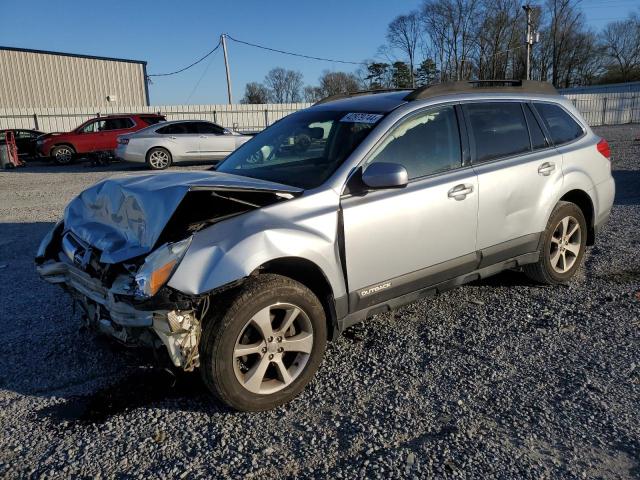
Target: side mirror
(385, 175)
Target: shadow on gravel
(142, 387)
(508, 278)
(627, 187)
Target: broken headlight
(158, 267)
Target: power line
(310, 57)
(187, 67)
(206, 69)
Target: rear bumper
(604, 193)
(126, 154)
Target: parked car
(159, 146)
(95, 135)
(25, 140)
(246, 271)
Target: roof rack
(339, 96)
(474, 86)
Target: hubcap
(63, 155)
(159, 159)
(565, 244)
(273, 348)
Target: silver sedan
(166, 143)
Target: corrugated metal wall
(49, 80)
(612, 108)
(239, 116)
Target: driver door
(401, 240)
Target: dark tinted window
(152, 120)
(210, 128)
(178, 129)
(537, 137)
(117, 123)
(425, 144)
(498, 129)
(561, 126)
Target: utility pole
(223, 40)
(527, 8)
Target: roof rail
(339, 96)
(475, 86)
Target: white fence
(238, 116)
(609, 108)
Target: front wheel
(562, 247)
(262, 348)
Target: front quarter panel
(305, 227)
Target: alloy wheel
(565, 244)
(64, 155)
(273, 348)
(159, 159)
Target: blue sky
(170, 35)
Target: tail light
(123, 141)
(604, 149)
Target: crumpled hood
(124, 216)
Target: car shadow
(48, 353)
(627, 187)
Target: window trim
(544, 126)
(524, 106)
(411, 114)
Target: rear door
(215, 143)
(182, 139)
(519, 173)
(109, 129)
(401, 240)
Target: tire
(159, 158)
(257, 381)
(560, 254)
(63, 154)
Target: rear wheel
(63, 154)
(262, 348)
(563, 246)
(159, 158)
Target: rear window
(560, 125)
(152, 120)
(498, 129)
(117, 123)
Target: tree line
(447, 40)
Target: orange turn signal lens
(160, 276)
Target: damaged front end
(121, 241)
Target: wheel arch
(63, 144)
(311, 276)
(163, 147)
(584, 201)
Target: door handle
(546, 168)
(172, 138)
(460, 192)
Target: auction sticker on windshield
(361, 117)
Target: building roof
(77, 55)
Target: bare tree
(404, 34)
(452, 28)
(332, 83)
(285, 86)
(621, 42)
(255, 92)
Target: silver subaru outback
(355, 206)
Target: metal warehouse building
(38, 78)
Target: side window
(560, 125)
(498, 129)
(97, 126)
(174, 129)
(118, 123)
(152, 120)
(537, 137)
(424, 144)
(210, 128)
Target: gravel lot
(502, 378)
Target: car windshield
(303, 149)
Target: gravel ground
(501, 378)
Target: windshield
(303, 149)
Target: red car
(95, 135)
